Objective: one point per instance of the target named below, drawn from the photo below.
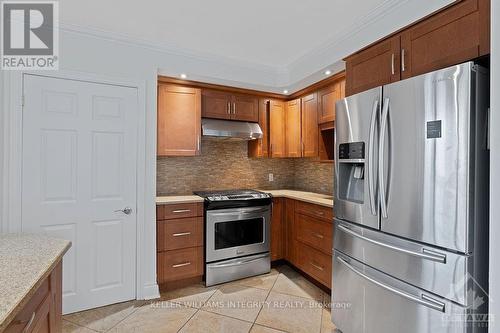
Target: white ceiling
(274, 35)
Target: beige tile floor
(281, 301)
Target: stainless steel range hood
(230, 129)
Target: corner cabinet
(456, 34)
(224, 105)
(260, 147)
(179, 120)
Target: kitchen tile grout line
(138, 308)
(81, 326)
(198, 310)
(267, 296)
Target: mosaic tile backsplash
(224, 164)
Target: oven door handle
(240, 262)
(240, 211)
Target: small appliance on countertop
(237, 231)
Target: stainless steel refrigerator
(411, 205)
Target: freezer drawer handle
(426, 254)
(239, 262)
(424, 300)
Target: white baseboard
(150, 291)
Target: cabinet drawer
(315, 263)
(318, 211)
(180, 264)
(181, 210)
(179, 233)
(314, 232)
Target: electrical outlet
(271, 177)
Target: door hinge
(22, 100)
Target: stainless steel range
(237, 231)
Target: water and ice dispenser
(351, 169)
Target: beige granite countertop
(315, 198)
(162, 200)
(25, 261)
(311, 197)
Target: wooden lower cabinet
(179, 243)
(315, 263)
(180, 264)
(43, 312)
(277, 231)
(307, 237)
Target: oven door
(237, 232)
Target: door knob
(126, 210)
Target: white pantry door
(79, 171)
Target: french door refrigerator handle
(371, 186)
(424, 300)
(381, 180)
(426, 254)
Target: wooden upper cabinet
(374, 66)
(260, 147)
(458, 34)
(310, 125)
(277, 129)
(245, 108)
(293, 140)
(216, 104)
(179, 120)
(327, 97)
(223, 105)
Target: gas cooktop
(234, 198)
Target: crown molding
(307, 69)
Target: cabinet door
(245, 108)
(373, 67)
(216, 104)
(289, 230)
(277, 129)
(293, 140)
(277, 229)
(458, 34)
(310, 126)
(179, 121)
(260, 147)
(326, 102)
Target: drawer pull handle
(28, 325)
(316, 266)
(181, 265)
(181, 211)
(321, 213)
(181, 234)
(320, 236)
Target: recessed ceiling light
(285, 91)
(183, 76)
(328, 72)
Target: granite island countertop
(311, 197)
(25, 261)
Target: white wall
(495, 167)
